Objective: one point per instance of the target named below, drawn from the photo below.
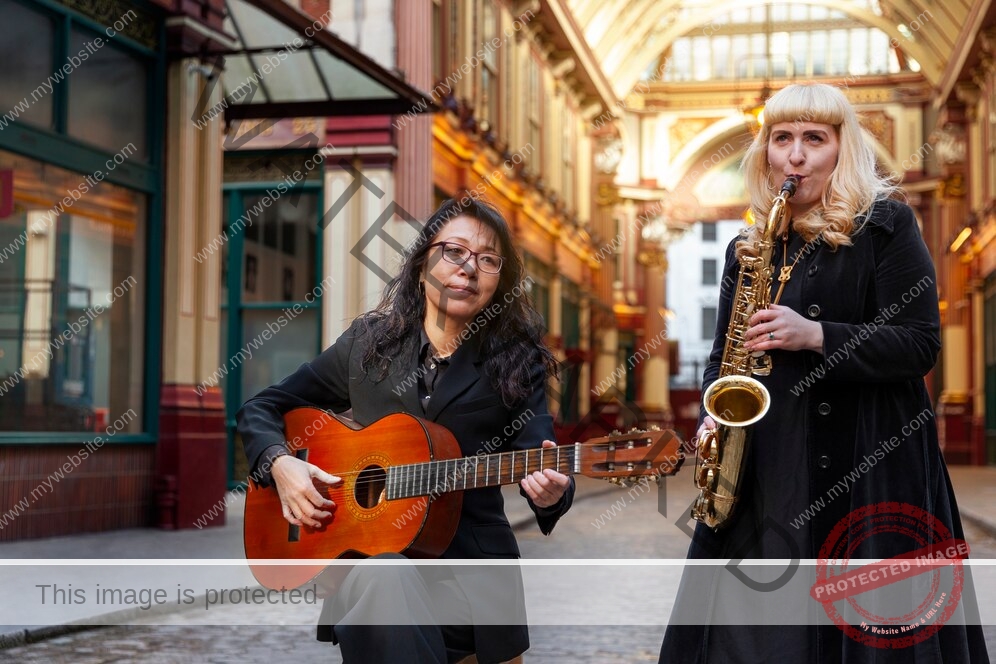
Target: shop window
(72, 302)
(96, 90)
(26, 48)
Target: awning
(280, 66)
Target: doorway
(271, 296)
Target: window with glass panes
(783, 40)
(709, 272)
(539, 287)
(509, 78)
(708, 322)
(567, 156)
(571, 322)
(438, 40)
(534, 112)
(76, 299)
(486, 29)
(452, 18)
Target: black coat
(877, 303)
(465, 402)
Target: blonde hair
(854, 184)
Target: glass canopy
(280, 65)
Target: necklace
(786, 271)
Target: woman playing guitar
(456, 342)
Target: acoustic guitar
(402, 483)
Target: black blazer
(464, 402)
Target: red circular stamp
(872, 602)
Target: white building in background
(695, 269)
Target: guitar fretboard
(437, 477)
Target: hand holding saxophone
(782, 328)
(708, 424)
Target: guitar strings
(421, 471)
(529, 469)
(530, 466)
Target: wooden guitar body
(364, 522)
(402, 487)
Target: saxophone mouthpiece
(790, 185)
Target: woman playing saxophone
(852, 329)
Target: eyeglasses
(459, 254)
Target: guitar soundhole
(369, 489)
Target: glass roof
(780, 41)
(631, 39)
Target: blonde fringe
(854, 184)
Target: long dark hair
(510, 335)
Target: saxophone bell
(736, 401)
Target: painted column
(413, 168)
(191, 456)
(653, 347)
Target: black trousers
(395, 614)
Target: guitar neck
(437, 477)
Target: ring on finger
(771, 336)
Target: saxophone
(736, 401)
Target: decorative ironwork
(133, 21)
(269, 168)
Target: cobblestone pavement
(621, 524)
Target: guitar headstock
(637, 453)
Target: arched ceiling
(627, 36)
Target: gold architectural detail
(870, 96)
(653, 258)
(880, 125)
(635, 310)
(634, 102)
(969, 94)
(982, 72)
(606, 195)
(987, 40)
(686, 129)
(952, 187)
